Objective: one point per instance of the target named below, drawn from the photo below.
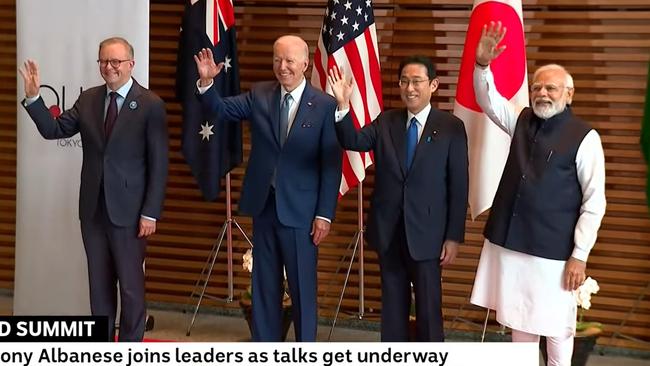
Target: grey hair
(568, 79)
(121, 40)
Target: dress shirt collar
(296, 93)
(421, 116)
(123, 90)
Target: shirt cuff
(339, 115)
(31, 100)
(203, 89)
(482, 67)
(148, 218)
(484, 73)
(324, 218)
(580, 254)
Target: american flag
(348, 40)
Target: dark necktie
(111, 115)
(411, 142)
(284, 117)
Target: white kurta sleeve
(590, 165)
(500, 110)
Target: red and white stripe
(218, 11)
(359, 58)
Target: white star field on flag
(351, 22)
(206, 131)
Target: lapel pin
(428, 139)
(309, 104)
(133, 104)
(306, 125)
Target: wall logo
(54, 99)
(56, 102)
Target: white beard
(546, 111)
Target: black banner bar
(54, 329)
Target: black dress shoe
(149, 323)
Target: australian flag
(210, 148)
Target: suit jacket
(308, 166)
(131, 164)
(431, 197)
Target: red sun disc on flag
(509, 68)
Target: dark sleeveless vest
(537, 204)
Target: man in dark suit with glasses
(419, 203)
(123, 130)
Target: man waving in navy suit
(417, 215)
(291, 183)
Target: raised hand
(206, 66)
(342, 89)
(488, 46)
(29, 72)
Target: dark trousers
(276, 246)
(115, 254)
(398, 271)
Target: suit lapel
(99, 104)
(129, 107)
(274, 112)
(304, 109)
(398, 135)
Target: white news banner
(292, 354)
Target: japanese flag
(488, 144)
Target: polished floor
(172, 324)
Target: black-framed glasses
(115, 63)
(404, 83)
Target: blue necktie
(284, 117)
(411, 142)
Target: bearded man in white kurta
(547, 210)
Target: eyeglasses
(114, 63)
(404, 83)
(550, 88)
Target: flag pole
(361, 265)
(206, 272)
(357, 242)
(485, 323)
(229, 237)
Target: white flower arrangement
(583, 293)
(583, 300)
(247, 264)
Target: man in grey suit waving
(418, 207)
(124, 135)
